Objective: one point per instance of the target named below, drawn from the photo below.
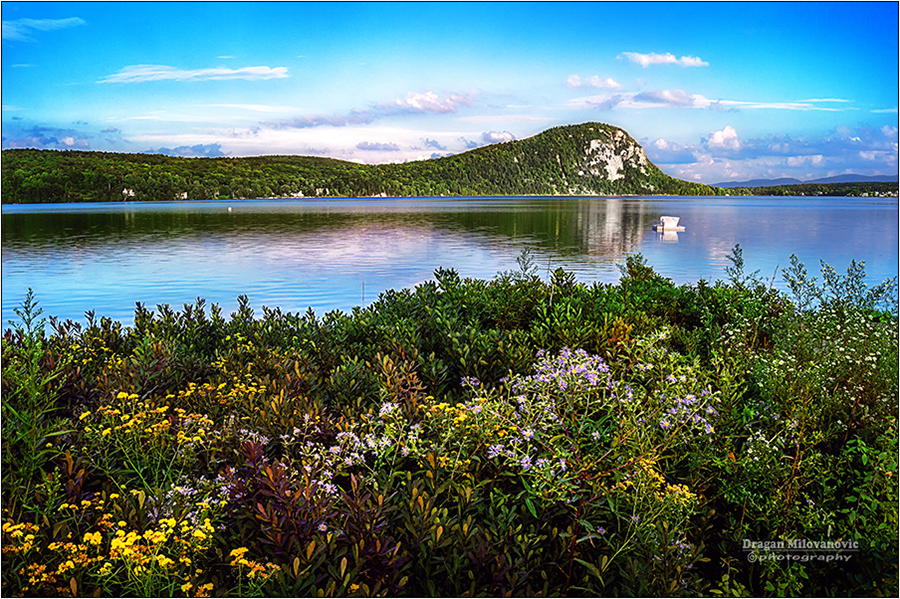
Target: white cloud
(726, 138)
(608, 83)
(378, 146)
(21, 29)
(149, 72)
(873, 155)
(661, 98)
(671, 97)
(430, 102)
(414, 103)
(493, 137)
(815, 160)
(801, 105)
(574, 82)
(679, 98)
(646, 60)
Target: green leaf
(530, 506)
(591, 567)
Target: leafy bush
(503, 437)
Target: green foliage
(466, 437)
(849, 292)
(866, 189)
(30, 386)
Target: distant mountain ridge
(584, 159)
(848, 178)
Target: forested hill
(586, 159)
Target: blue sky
(713, 91)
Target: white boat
(668, 224)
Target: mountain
(759, 183)
(849, 178)
(585, 159)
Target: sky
(714, 92)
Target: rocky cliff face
(615, 156)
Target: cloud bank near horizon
(723, 156)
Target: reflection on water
(337, 253)
(667, 236)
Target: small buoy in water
(229, 209)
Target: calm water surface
(336, 254)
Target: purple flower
(386, 409)
(470, 381)
(525, 463)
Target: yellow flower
(237, 554)
(92, 537)
(84, 415)
(186, 587)
(122, 395)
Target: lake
(339, 253)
